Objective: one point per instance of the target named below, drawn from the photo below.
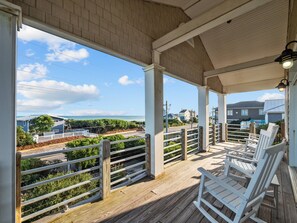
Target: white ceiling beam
(227, 10)
(251, 86)
(240, 66)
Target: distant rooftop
(247, 104)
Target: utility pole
(167, 107)
(191, 116)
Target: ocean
(123, 117)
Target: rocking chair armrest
(252, 140)
(239, 151)
(228, 149)
(217, 180)
(242, 158)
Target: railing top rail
(63, 150)
(127, 140)
(170, 133)
(193, 129)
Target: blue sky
(56, 76)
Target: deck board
(170, 198)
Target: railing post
(184, 144)
(148, 154)
(18, 188)
(200, 149)
(252, 128)
(226, 132)
(283, 130)
(105, 158)
(213, 134)
(221, 132)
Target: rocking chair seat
(224, 195)
(244, 166)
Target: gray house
(59, 123)
(245, 110)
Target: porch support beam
(293, 117)
(222, 112)
(218, 15)
(251, 86)
(8, 26)
(154, 116)
(240, 66)
(203, 114)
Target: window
(261, 111)
(229, 112)
(244, 112)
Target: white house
(185, 114)
(274, 110)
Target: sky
(56, 76)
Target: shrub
(24, 138)
(54, 186)
(173, 148)
(102, 125)
(43, 123)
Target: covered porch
(170, 198)
(227, 47)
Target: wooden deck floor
(170, 198)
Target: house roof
(274, 106)
(183, 110)
(247, 104)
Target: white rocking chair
(244, 202)
(251, 142)
(246, 162)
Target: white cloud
(124, 80)
(28, 34)
(30, 53)
(95, 112)
(51, 94)
(270, 96)
(60, 50)
(26, 72)
(66, 56)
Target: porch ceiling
(252, 79)
(192, 8)
(258, 34)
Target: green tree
(43, 123)
(23, 138)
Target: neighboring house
(171, 116)
(274, 110)
(186, 114)
(245, 110)
(59, 123)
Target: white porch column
(7, 113)
(154, 115)
(222, 112)
(203, 114)
(293, 116)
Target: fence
(46, 138)
(177, 145)
(49, 182)
(234, 133)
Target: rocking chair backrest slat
(270, 141)
(263, 143)
(266, 139)
(270, 126)
(265, 171)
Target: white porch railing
(58, 180)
